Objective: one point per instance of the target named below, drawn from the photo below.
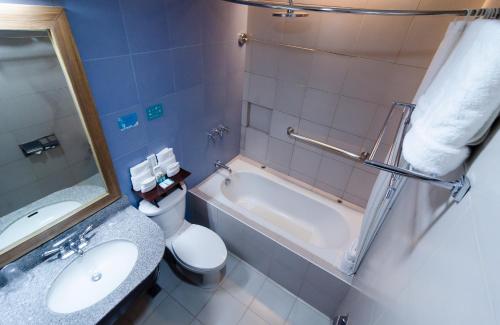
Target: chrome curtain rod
(493, 13)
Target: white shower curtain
(379, 204)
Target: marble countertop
(24, 300)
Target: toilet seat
(199, 249)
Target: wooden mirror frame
(54, 21)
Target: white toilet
(200, 254)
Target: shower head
(290, 14)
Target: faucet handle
(224, 128)
(84, 236)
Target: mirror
(52, 150)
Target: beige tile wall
(339, 99)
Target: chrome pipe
(479, 12)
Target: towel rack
(458, 188)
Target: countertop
(24, 300)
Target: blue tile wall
(180, 53)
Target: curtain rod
(493, 13)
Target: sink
(35, 220)
(92, 276)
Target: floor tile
(244, 282)
(231, 262)
(169, 312)
(273, 303)
(191, 297)
(222, 309)
(302, 314)
(251, 318)
(167, 280)
(144, 306)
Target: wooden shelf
(158, 193)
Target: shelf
(158, 193)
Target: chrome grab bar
(341, 152)
(458, 188)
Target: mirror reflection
(47, 166)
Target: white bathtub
(307, 221)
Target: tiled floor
(245, 297)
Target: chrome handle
(51, 252)
(83, 235)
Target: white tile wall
(341, 99)
(435, 262)
(36, 102)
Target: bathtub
(313, 224)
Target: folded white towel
(460, 104)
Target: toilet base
(205, 280)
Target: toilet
(195, 252)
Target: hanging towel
(460, 104)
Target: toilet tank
(170, 213)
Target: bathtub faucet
(218, 164)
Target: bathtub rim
(276, 237)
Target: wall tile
(290, 97)
(302, 32)
(155, 74)
(339, 32)
(260, 118)
(263, 59)
(328, 72)
(121, 142)
(97, 27)
(294, 65)
(280, 123)
(354, 116)
(334, 173)
(188, 67)
(256, 144)
(16, 174)
(261, 90)
(381, 38)
(319, 106)
(184, 21)
(305, 162)
(279, 153)
(112, 83)
(146, 25)
(262, 25)
(314, 131)
(360, 183)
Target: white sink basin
(92, 277)
(35, 220)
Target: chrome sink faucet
(218, 164)
(71, 244)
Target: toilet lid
(200, 248)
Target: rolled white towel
(460, 104)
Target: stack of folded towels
(147, 174)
